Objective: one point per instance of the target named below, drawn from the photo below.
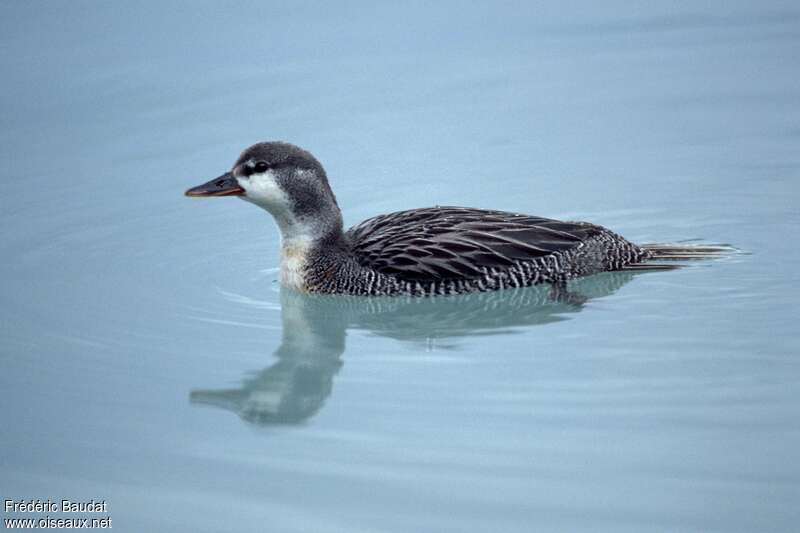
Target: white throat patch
(297, 237)
(294, 258)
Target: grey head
(288, 182)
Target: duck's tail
(689, 252)
(680, 252)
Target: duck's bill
(225, 185)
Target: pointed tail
(689, 252)
(680, 252)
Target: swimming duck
(417, 252)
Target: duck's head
(285, 180)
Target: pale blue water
(149, 359)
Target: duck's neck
(303, 240)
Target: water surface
(150, 359)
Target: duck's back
(457, 249)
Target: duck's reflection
(314, 328)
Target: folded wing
(456, 242)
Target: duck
(428, 251)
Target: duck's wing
(459, 242)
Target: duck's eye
(261, 166)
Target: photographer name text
(50, 506)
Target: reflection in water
(314, 328)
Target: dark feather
(459, 243)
